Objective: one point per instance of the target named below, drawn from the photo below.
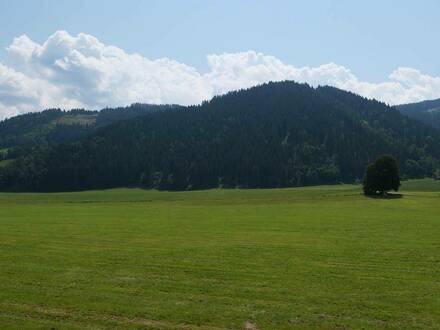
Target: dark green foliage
(4, 154)
(109, 116)
(437, 174)
(275, 135)
(382, 176)
(427, 112)
(55, 126)
(28, 129)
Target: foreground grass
(318, 257)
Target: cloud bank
(81, 72)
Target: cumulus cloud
(81, 72)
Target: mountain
(427, 112)
(55, 126)
(274, 135)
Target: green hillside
(55, 126)
(427, 112)
(275, 135)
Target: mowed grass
(317, 257)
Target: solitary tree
(382, 176)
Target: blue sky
(372, 39)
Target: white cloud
(79, 71)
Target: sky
(93, 54)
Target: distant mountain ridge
(427, 112)
(275, 135)
(55, 126)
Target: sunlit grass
(323, 257)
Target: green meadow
(316, 257)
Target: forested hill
(274, 135)
(427, 112)
(55, 126)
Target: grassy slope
(5, 162)
(290, 258)
(79, 119)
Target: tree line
(274, 135)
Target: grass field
(318, 257)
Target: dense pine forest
(274, 135)
(55, 126)
(427, 112)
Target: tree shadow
(385, 196)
